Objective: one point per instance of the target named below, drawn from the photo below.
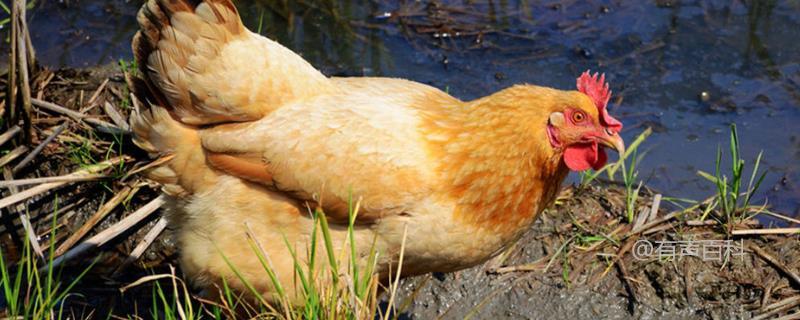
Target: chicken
(259, 138)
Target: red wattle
(585, 156)
(602, 158)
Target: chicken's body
(257, 150)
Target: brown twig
(80, 117)
(18, 151)
(776, 263)
(44, 83)
(641, 218)
(766, 295)
(39, 148)
(24, 77)
(42, 188)
(654, 223)
(666, 218)
(148, 239)
(11, 93)
(31, 53)
(23, 218)
(665, 226)
(779, 307)
(111, 232)
(115, 116)
(773, 214)
(654, 208)
(101, 213)
(766, 231)
(97, 92)
(77, 116)
(154, 163)
(66, 178)
(791, 316)
(627, 246)
(534, 266)
(10, 133)
(687, 280)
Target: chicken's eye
(578, 117)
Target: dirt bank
(589, 281)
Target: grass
(326, 297)
(33, 288)
(732, 201)
(128, 67)
(626, 164)
(325, 293)
(629, 177)
(589, 176)
(80, 152)
(7, 10)
(87, 151)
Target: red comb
(596, 88)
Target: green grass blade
(267, 265)
(8, 289)
(239, 275)
(707, 176)
(260, 22)
(326, 233)
(351, 214)
(749, 196)
(307, 288)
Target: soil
(558, 270)
(574, 287)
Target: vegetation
(732, 200)
(33, 288)
(326, 293)
(33, 291)
(589, 176)
(627, 165)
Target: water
(660, 57)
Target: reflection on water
(743, 56)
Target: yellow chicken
(260, 139)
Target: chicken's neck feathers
(498, 163)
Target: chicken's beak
(613, 140)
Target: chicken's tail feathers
(180, 21)
(154, 129)
(208, 68)
(160, 135)
(176, 43)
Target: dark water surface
(659, 56)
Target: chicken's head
(583, 128)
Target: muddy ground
(574, 287)
(576, 261)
